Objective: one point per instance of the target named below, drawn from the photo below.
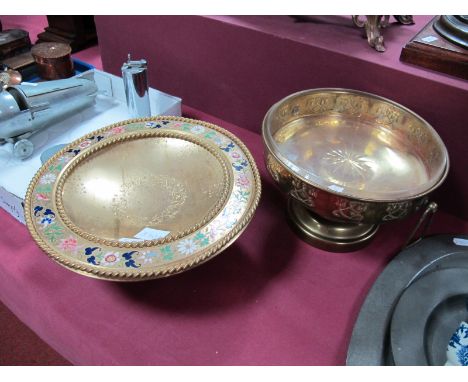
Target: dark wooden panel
(430, 50)
(77, 31)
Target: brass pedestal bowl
(349, 161)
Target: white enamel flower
(197, 129)
(48, 178)
(215, 230)
(187, 246)
(147, 257)
(64, 158)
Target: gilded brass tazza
(349, 161)
(143, 198)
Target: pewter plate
(426, 316)
(143, 199)
(370, 342)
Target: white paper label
(429, 39)
(129, 240)
(151, 234)
(459, 241)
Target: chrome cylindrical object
(135, 77)
(26, 109)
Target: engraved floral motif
(273, 168)
(351, 104)
(303, 192)
(433, 157)
(178, 195)
(320, 103)
(386, 114)
(418, 134)
(295, 110)
(397, 210)
(350, 210)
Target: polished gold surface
(350, 156)
(328, 235)
(169, 182)
(188, 178)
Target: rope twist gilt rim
(180, 266)
(160, 133)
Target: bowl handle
(425, 218)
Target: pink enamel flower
(118, 129)
(235, 155)
(243, 181)
(69, 244)
(84, 144)
(110, 258)
(41, 196)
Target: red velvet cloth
(20, 346)
(269, 299)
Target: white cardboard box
(110, 107)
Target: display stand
(430, 50)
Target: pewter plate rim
(368, 342)
(414, 309)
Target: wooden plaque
(430, 50)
